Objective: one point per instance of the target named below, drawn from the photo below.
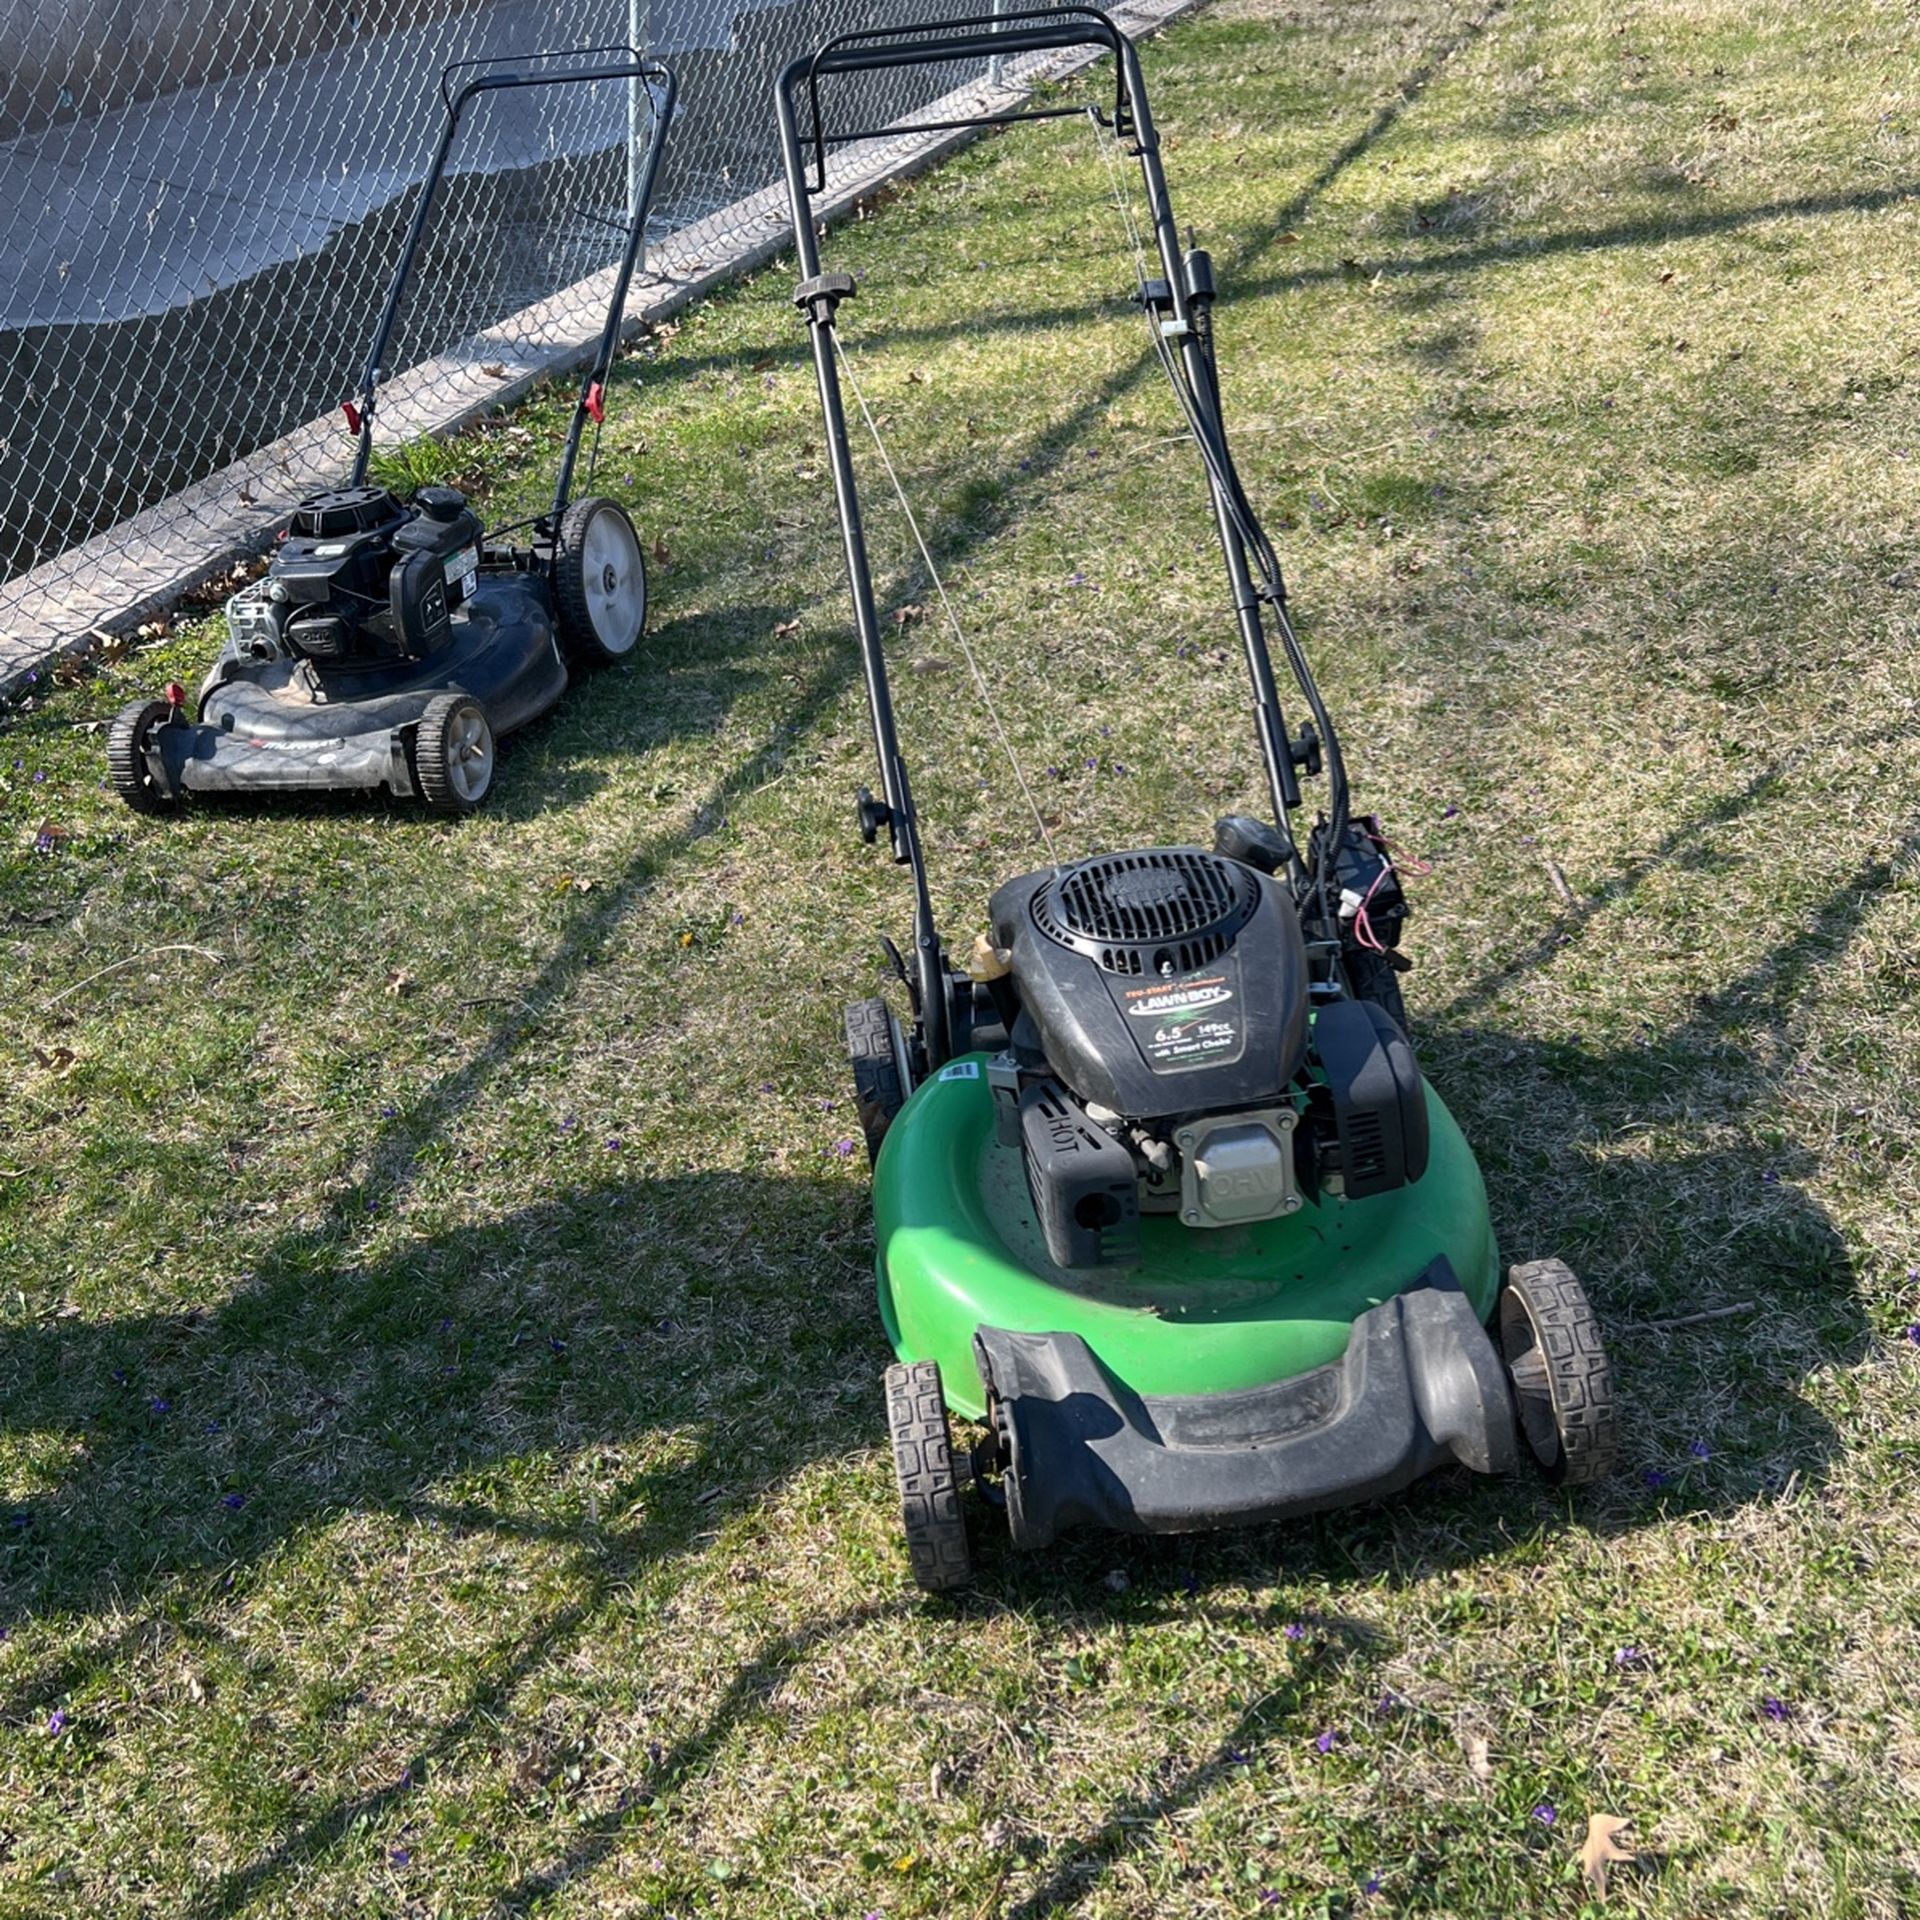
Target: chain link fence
(207, 199)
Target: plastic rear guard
(1419, 1386)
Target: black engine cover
(1162, 981)
(366, 578)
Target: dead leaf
(660, 550)
(932, 663)
(905, 616)
(494, 369)
(1289, 239)
(399, 981)
(785, 627)
(60, 1062)
(916, 379)
(1479, 1756)
(246, 496)
(1599, 1851)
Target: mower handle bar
(977, 36)
(636, 66)
(622, 63)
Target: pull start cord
(939, 587)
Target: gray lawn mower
(392, 641)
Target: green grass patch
(441, 1440)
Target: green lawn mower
(1161, 1197)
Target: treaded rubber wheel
(1562, 1387)
(127, 764)
(599, 582)
(936, 1529)
(1372, 977)
(879, 1080)
(453, 753)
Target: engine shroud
(362, 578)
(1161, 981)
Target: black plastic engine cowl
(1184, 988)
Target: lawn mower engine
(1162, 1056)
(362, 578)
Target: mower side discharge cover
(1420, 1386)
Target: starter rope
(939, 587)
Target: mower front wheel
(1562, 1387)
(453, 753)
(128, 766)
(599, 582)
(936, 1529)
(876, 1050)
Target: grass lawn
(439, 1419)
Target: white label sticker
(961, 1070)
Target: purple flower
(1775, 1709)
(1294, 1630)
(389, 1112)
(1327, 1740)
(57, 1720)
(1450, 812)
(766, 1086)
(1913, 1333)
(40, 778)
(1769, 1178)
(159, 1406)
(1655, 1478)
(1389, 1702)
(1546, 1813)
(842, 1148)
(1235, 1758)
(1700, 1450)
(1268, 1898)
(19, 1520)
(1371, 1884)
(613, 1143)
(400, 1856)
(233, 1502)
(1629, 1657)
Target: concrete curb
(143, 566)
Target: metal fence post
(639, 106)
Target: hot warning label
(1185, 1023)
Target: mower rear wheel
(599, 582)
(1372, 977)
(127, 764)
(453, 753)
(1562, 1387)
(930, 1512)
(877, 1053)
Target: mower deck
(1315, 1361)
(292, 725)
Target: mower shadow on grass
(335, 1385)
